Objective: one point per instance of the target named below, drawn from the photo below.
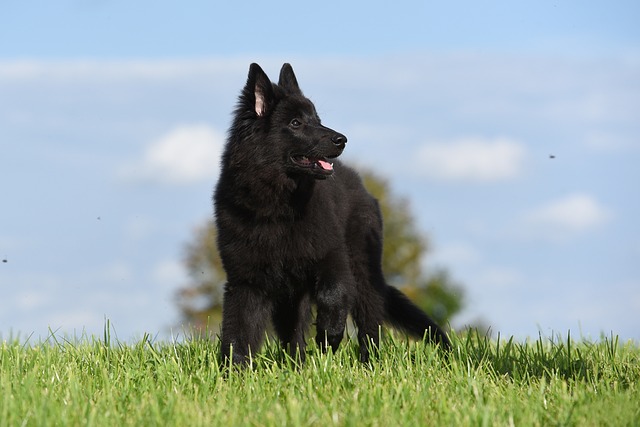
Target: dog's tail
(405, 315)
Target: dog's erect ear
(259, 90)
(288, 79)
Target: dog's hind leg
(245, 314)
(368, 308)
(366, 259)
(368, 315)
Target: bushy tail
(405, 315)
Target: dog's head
(288, 124)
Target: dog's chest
(288, 242)
(278, 257)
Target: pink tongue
(325, 165)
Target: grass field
(546, 382)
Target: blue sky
(113, 114)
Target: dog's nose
(339, 139)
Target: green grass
(91, 381)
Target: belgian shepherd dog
(297, 227)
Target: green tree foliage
(404, 251)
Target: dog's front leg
(245, 314)
(333, 302)
(290, 320)
(332, 316)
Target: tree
(404, 249)
(200, 301)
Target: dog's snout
(339, 139)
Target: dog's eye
(295, 123)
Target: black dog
(296, 229)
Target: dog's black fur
(296, 230)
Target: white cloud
(454, 254)
(499, 278)
(32, 299)
(117, 70)
(75, 321)
(118, 271)
(608, 141)
(186, 155)
(575, 212)
(138, 228)
(169, 274)
(472, 159)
